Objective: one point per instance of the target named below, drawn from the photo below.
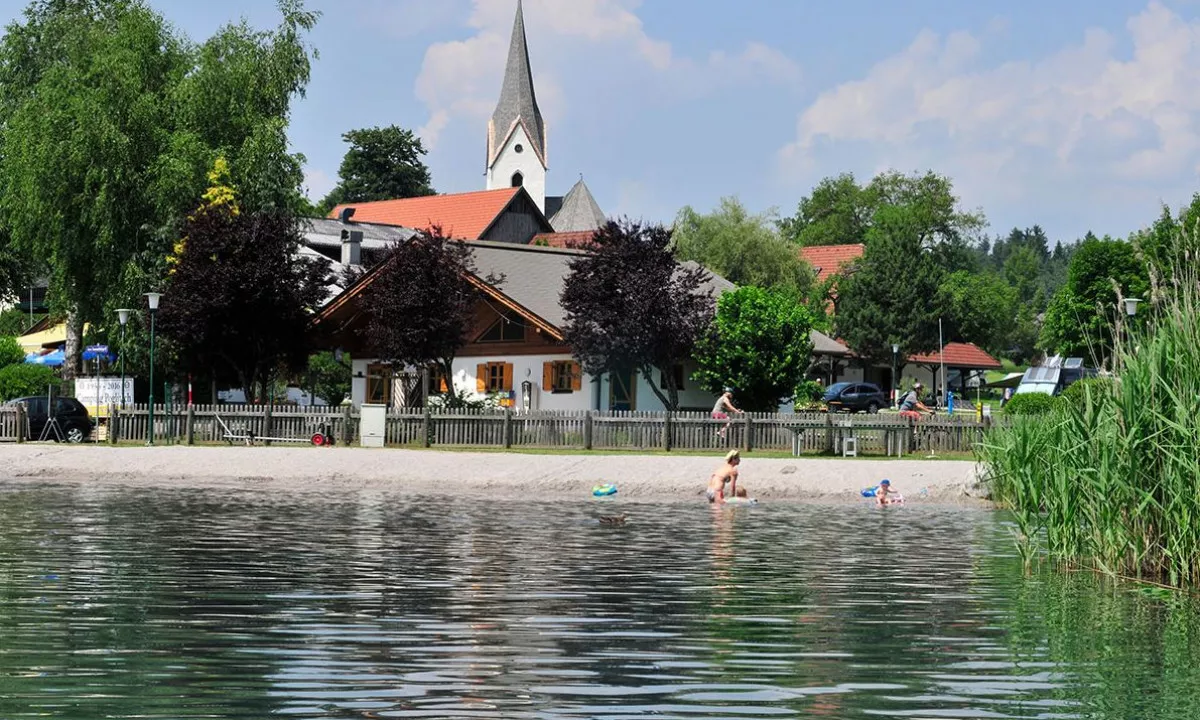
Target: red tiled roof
(462, 215)
(828, 259)
(960, 355)
(578, 240)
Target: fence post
(347, 430)
(829, 432)
(666, 431)
(425, 426)
(114, 425)
(507, 428)
(191, 425)
(747, 444)
(587, 431)
(22, 425)
(267, 423)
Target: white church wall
(526, 162)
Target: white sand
(310, 469)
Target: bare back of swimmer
(726, 474)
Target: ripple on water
(213, 603)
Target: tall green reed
(1114, 483)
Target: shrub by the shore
(1111, 480)
(1030, 404)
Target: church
(514, 206)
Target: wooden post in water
(508, 428)
(191, 425)
(587, 431)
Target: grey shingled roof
(534, 276)
(825, 345)
(517, 99)
(579, 212)
(328, 232)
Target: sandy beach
(306, 469)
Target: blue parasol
(53, 359)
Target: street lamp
(895, 351)
(1131, 306)
(123, 316)
(152, 299)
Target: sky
(1075, 114)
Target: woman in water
(727, 474)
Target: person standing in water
(726, 474)
(725, 403)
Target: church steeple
(516, 147)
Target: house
(503, 215)
(514, 349)
(828, 260)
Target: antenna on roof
(346, 214)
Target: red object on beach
(318, 439)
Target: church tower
(516, 146)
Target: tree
(111, 82)
(630, 306)
(1021, 271)
(239, 296)
(381, 164)
(23, 380)
(1079, 321)
(839, 211)
(743, 248)
(836, 213)
(421, 303)
(759, 344)
(891, 294)
(10, 352)
(327, 378)
(977, 308)
(13, 321)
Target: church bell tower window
(518, 179)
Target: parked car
(854, 397)
(73, 420)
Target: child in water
(885, 489)
(727, 474)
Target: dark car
(73, 421)
(854, 397)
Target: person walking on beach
(725, 403)
(726, 474)
(911, 406)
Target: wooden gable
(499, 330)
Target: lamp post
(123, 316)
(895, 352)
(1131, 306)
(152, 299)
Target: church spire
(518, 104)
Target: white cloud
(597, 40)
(1088, 114)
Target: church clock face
(518, 148)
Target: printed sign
(96, 393)
(98, 349)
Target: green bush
(1077, 393)
(10, 352)
(1030, 404)
(22, 380)
(809, 393)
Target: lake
(124, 603)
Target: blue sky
(1075, 115)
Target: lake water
(122, 603)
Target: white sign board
(100, 392)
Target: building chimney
(346, 214)
(352, 248)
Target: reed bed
(1113, 483)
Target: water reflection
(175, 604)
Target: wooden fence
(798, 433)
(13, 427)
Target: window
(562, 376)
(379, 384)
(518, 179)
(678, 372)
(438, 383)
(509, 327)
(493, 377)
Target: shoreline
(481, 474)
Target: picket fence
(799, 433)
(13, 427)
